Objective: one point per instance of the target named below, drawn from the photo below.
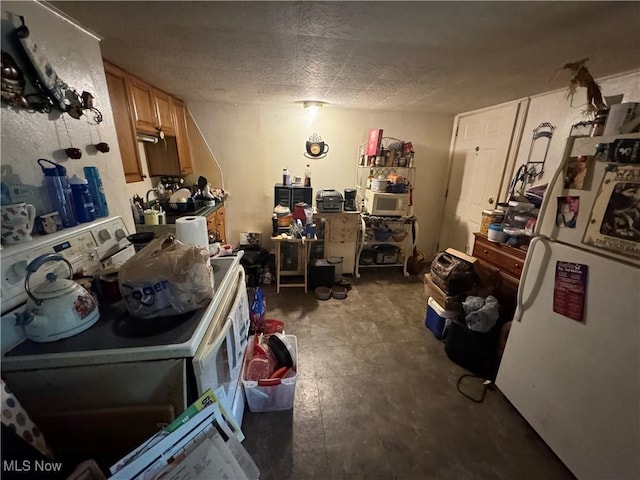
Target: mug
(47, 223)
(17, 222)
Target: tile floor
(376, 397)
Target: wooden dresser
(504, 263)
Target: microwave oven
(386, 204)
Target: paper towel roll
(192, 231)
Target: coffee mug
(17, 222)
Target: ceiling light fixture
(312, 105)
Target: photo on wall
(615, 219)
(567, 213)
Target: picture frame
(615, 219)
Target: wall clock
(316, 148)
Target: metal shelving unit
(366, 239)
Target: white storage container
(276, 397)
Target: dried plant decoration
(580, 77)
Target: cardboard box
(446, 302)
(461, 255)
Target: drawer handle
(517, 265)
(485, 251)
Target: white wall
(555, 108)
(253, 143)
(27, 136)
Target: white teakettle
(58, 308)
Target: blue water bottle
(59, 191)
(92, 174)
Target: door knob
(491, 200)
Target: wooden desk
(303, 245)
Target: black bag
(453, 275)
(475, 351)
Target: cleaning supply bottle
(307, 176)
(59, 192)
(92, 174)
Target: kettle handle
(36, 264)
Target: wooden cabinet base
(503, 264)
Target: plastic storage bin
(276, 397)
(438, 319)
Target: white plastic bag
(165, 278)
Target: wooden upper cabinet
(164, 116)
(143, 107)
(179, 113)
(117, 86)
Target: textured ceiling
(445, 57)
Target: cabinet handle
(517, 265)
(485, 251)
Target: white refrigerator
(571, 365)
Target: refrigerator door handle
(520, 304)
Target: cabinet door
(122, 117)
(163, 112)
(343, 227)
(143, 107)
(220, 228)
(162, 157)
(180, 121)
(211, 225)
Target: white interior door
(478, 164)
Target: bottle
(307, 176)
(622, 150)
(92, 174)
(266, 278)
(82, 200)
(286, 177)
(59, 192)
(369, 179)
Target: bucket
(337, 267)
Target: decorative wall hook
(102, 147)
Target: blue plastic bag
(257, 311)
